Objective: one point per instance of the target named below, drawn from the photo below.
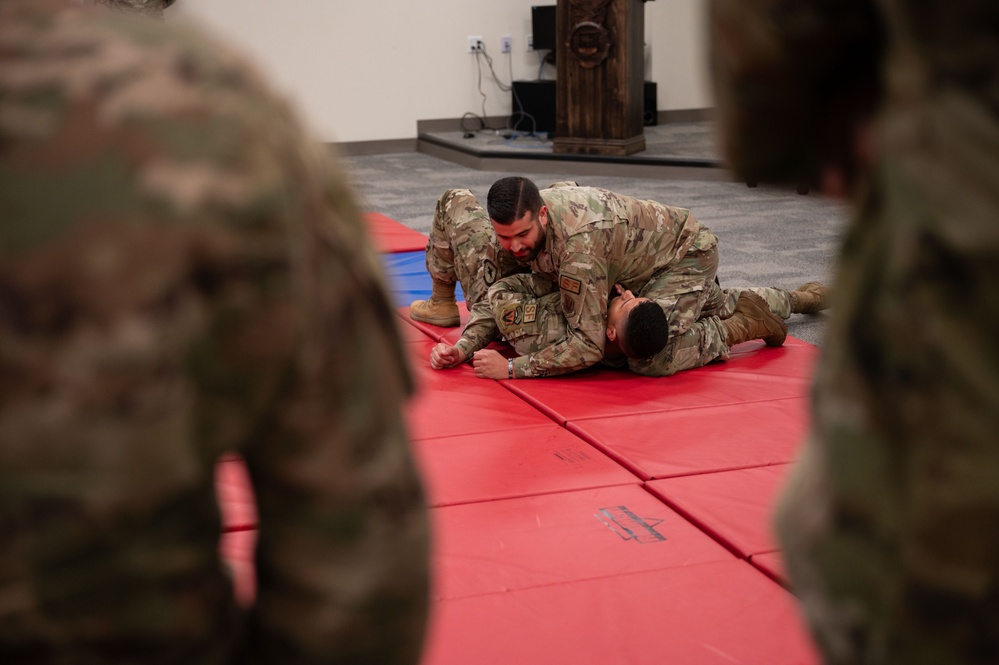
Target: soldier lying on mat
(528, 313)
(580, 241)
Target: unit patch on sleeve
(570, 284)
(489, 272)
(512, 316)
(568, 306)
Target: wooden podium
(599, 59)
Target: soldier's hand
(489, 364)
(444, 356)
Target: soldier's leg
(778, 300)
(807, 299)
(687, 290)
(462, 248)
(702, 343)
(709, 338)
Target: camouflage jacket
(182, 273)
(595, 239)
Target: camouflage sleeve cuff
(467, 346)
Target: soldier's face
(524, 237)
(621, 303)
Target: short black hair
(646, 331)
(509, 198)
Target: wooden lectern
(599, 59)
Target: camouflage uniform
(890, 522)
(528, 314)
(462, 246)
(152, 8)
(183, 273)
(595, 239)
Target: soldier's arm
(794, 83)
(480, 330)
(584, 291)
(342, 552)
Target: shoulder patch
(489, 272)
(570, 284)
(568, 306)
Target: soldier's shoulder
(155, 120)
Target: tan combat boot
(754, 320)
(440, 310)
(810, 298)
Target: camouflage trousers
(462, 246)
(528, 312)
(890, 520)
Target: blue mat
(408, 277)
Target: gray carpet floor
(768, 236)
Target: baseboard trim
(685, 115)
(361, 148)
(382, 147)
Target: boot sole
(443, 323)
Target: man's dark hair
(646, 331)
(509, 198)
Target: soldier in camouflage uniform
(585, 240)
(890, 522)
(184, 273)
(150, 8)
(528, 314)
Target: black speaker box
(650, 110)
(536, 99)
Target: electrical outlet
(505, 44)
(529, 40)
(475, 44)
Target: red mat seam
(703, 528)
(687, 408)
(587, 579)
(637, 481)
(721, 470)
(234, 528)
(773, 576)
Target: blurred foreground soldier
(152, 8)
(183, 273)
(890, 523)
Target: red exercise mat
(237, 504)
(772, 564)
(795, 359)
(716, 613)
(690, 441)
(412, 333)
(598, 392)
(237, 549)
(512, 463)
(390, 236)
(734, 506)
(452, 402)
(499, 546)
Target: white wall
(367, 70)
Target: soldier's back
(182, 273)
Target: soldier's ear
(543, 216)
(612, 333)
